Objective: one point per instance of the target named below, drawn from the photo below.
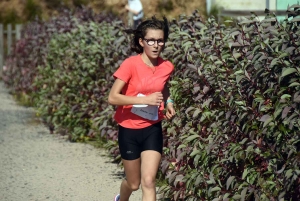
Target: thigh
(132, 170)
(150, 161)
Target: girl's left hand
(170, 111)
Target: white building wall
(242, 4)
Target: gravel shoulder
(38, 166)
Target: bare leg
(133, 178)
(150, 163)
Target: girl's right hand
(155, 99)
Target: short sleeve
(124, 71)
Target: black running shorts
(133, 141)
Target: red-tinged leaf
(297, 98)
(196, 89)
(264, 118)
(247, 75)
(228, 114)
(199, 97)
(179, 178)
(192, 67)
(189, 109)
(281, 170)
(290, 50)
(172, 177)
(205, 89)
(196, 113)
(165, 165)
(177, 195)
(285, 112)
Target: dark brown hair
(141, 31)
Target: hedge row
(236, 88)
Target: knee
(148, 182)
(133, 186)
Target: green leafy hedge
(72, 87)
(237, 94)
(237, 91)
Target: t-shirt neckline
(159, 61)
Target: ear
(141, 42)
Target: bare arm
(116, 98)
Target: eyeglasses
(151, 42)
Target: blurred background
(21, 11)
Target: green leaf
(281, 195)
(217, 188)
(245, 173)
(181, 146)
(240, 103)
(188, 43)
(196, 113)
(294, 84)
(274, 62)
(192, 137)
(237, 197)
(283, 55)
(226, 196)
(288, 71)
(228, 182)
(243, 194)
(243, 141)
(285, 96)
(289, 173)
(237, 55)
(195, 152)
(198, 180)
(239, 78)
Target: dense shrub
(65, 66)
(237, 92)
(236, 88)
(73, 85)
(30, 51)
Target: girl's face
(153, 43)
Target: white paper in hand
(139, 95)
(146, 111)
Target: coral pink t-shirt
(139, 78)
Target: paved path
(38, 166)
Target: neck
(148, 61)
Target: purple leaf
(285, 112)
(264, 118)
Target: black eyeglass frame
(153, 40)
